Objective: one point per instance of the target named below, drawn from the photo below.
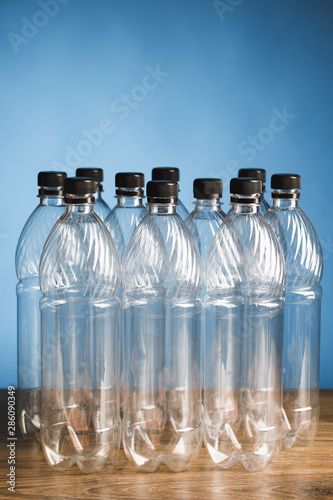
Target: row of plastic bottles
(120, 335)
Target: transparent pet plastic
(244, 304)
(121, 222)
(304, 265)
(203, 222)
(101, 208)
(28, 252)
(80, 279)
(182, 210)
(162, 278)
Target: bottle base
(300, 425)
(89, 450)
(147, 449)
(303, 436)
(224, 454)
(29, 411)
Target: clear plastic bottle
(28, 252)
(101, 208)
(80, 279)
(257, 173)
(244, 280)
(162, 278)
(170, 174)
(203, 222)
(121, 222)
(304, 266)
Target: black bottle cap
(94, 173)
(162, 192)
(254, 173)
(129, 183)
(283, 184)
(165, 174)
(207, 188)
(286, 181)
(49, 180)
(245, 186)
(79, 190)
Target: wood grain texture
(299, 473)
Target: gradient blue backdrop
(226, 67)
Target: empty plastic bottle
(304, 265)
(257, 173)
(28, 252)
(121, 222)
(101, 208)
(244, 280)
(203, 222)
(162, 278)
(80, 279)
(170, 174)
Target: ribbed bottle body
(303, 257)
(244, 278)
(80, 279)
(162, 407)
(28, 252)
(121, 222)
(203, 222)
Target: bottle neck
(129, 201)
(208, 204)
(246, 208)
(51, 196)
(162, 209)
(285, 204)
(246, 203)
(84, 208)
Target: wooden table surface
(300, 473)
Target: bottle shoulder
(264, 206)
(121, 222)
(126, 216)
(80, 252)
(101, 208)
(162, 254)
(182, 210)
(203, 226)
(33, 237)
(300, 245)
(206, 215)
(246, 255)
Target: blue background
(226, 66)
